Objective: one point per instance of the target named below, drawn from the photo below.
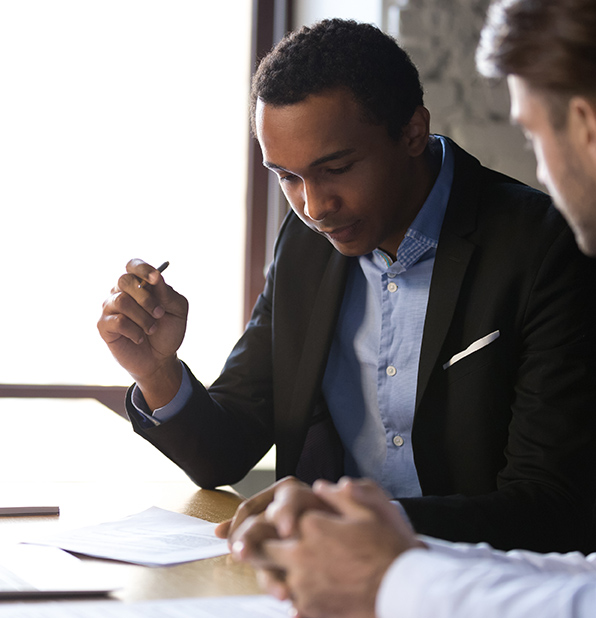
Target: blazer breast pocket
(478, 354)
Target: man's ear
(417, 131)
(582, 125)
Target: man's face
(343, 176)
(562, 165)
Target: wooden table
(83, 457)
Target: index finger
(249, 539)
(146, 273)
(356, 498)
(278, 554)
(253, 506)
(160, 269)
(291, 501)
(248, 508)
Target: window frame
(265, 205)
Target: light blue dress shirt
(372, 371)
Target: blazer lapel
(448, 275)
(453, 257)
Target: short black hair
(337, 53)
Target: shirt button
(391, 370)
(398, 441)
(392, 287)
(391, 275)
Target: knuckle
(124, 281)
(111, 327)
(101, 323)
(116, 323)
(245, 507)
(133, 263)
(290, 480)
(243, 511)
(288, 484)
(310, 523)
(119, 321)
(119, 302)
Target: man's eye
(288, 178)
(340, 170)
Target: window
(123, 133)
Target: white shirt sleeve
(472, 581)
(572, 562)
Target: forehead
(313, 105)
(309, 129)
(528, 109)
(518, 94)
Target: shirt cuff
(165, 413)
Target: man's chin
(585, 235)
(586, 244)
(581, 220)
(350, 250)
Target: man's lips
(345, 233)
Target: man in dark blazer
(503, 426)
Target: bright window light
(123, 133)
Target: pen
(19, 511)
(160, 268)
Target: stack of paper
(155, 537)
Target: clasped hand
(326, 548)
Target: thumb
(222, 529)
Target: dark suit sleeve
(545, 485)
(223, 431)
(269, 389)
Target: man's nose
(318, 204)
(541, 173)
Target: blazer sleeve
(268, 391)
(224, 430)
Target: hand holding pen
(143, 323)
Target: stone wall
(441, 37)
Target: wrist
(161, 386)
(419, 544)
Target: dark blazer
(503, 439)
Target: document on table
(155, 537)
(258, 606)
(32, 571)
